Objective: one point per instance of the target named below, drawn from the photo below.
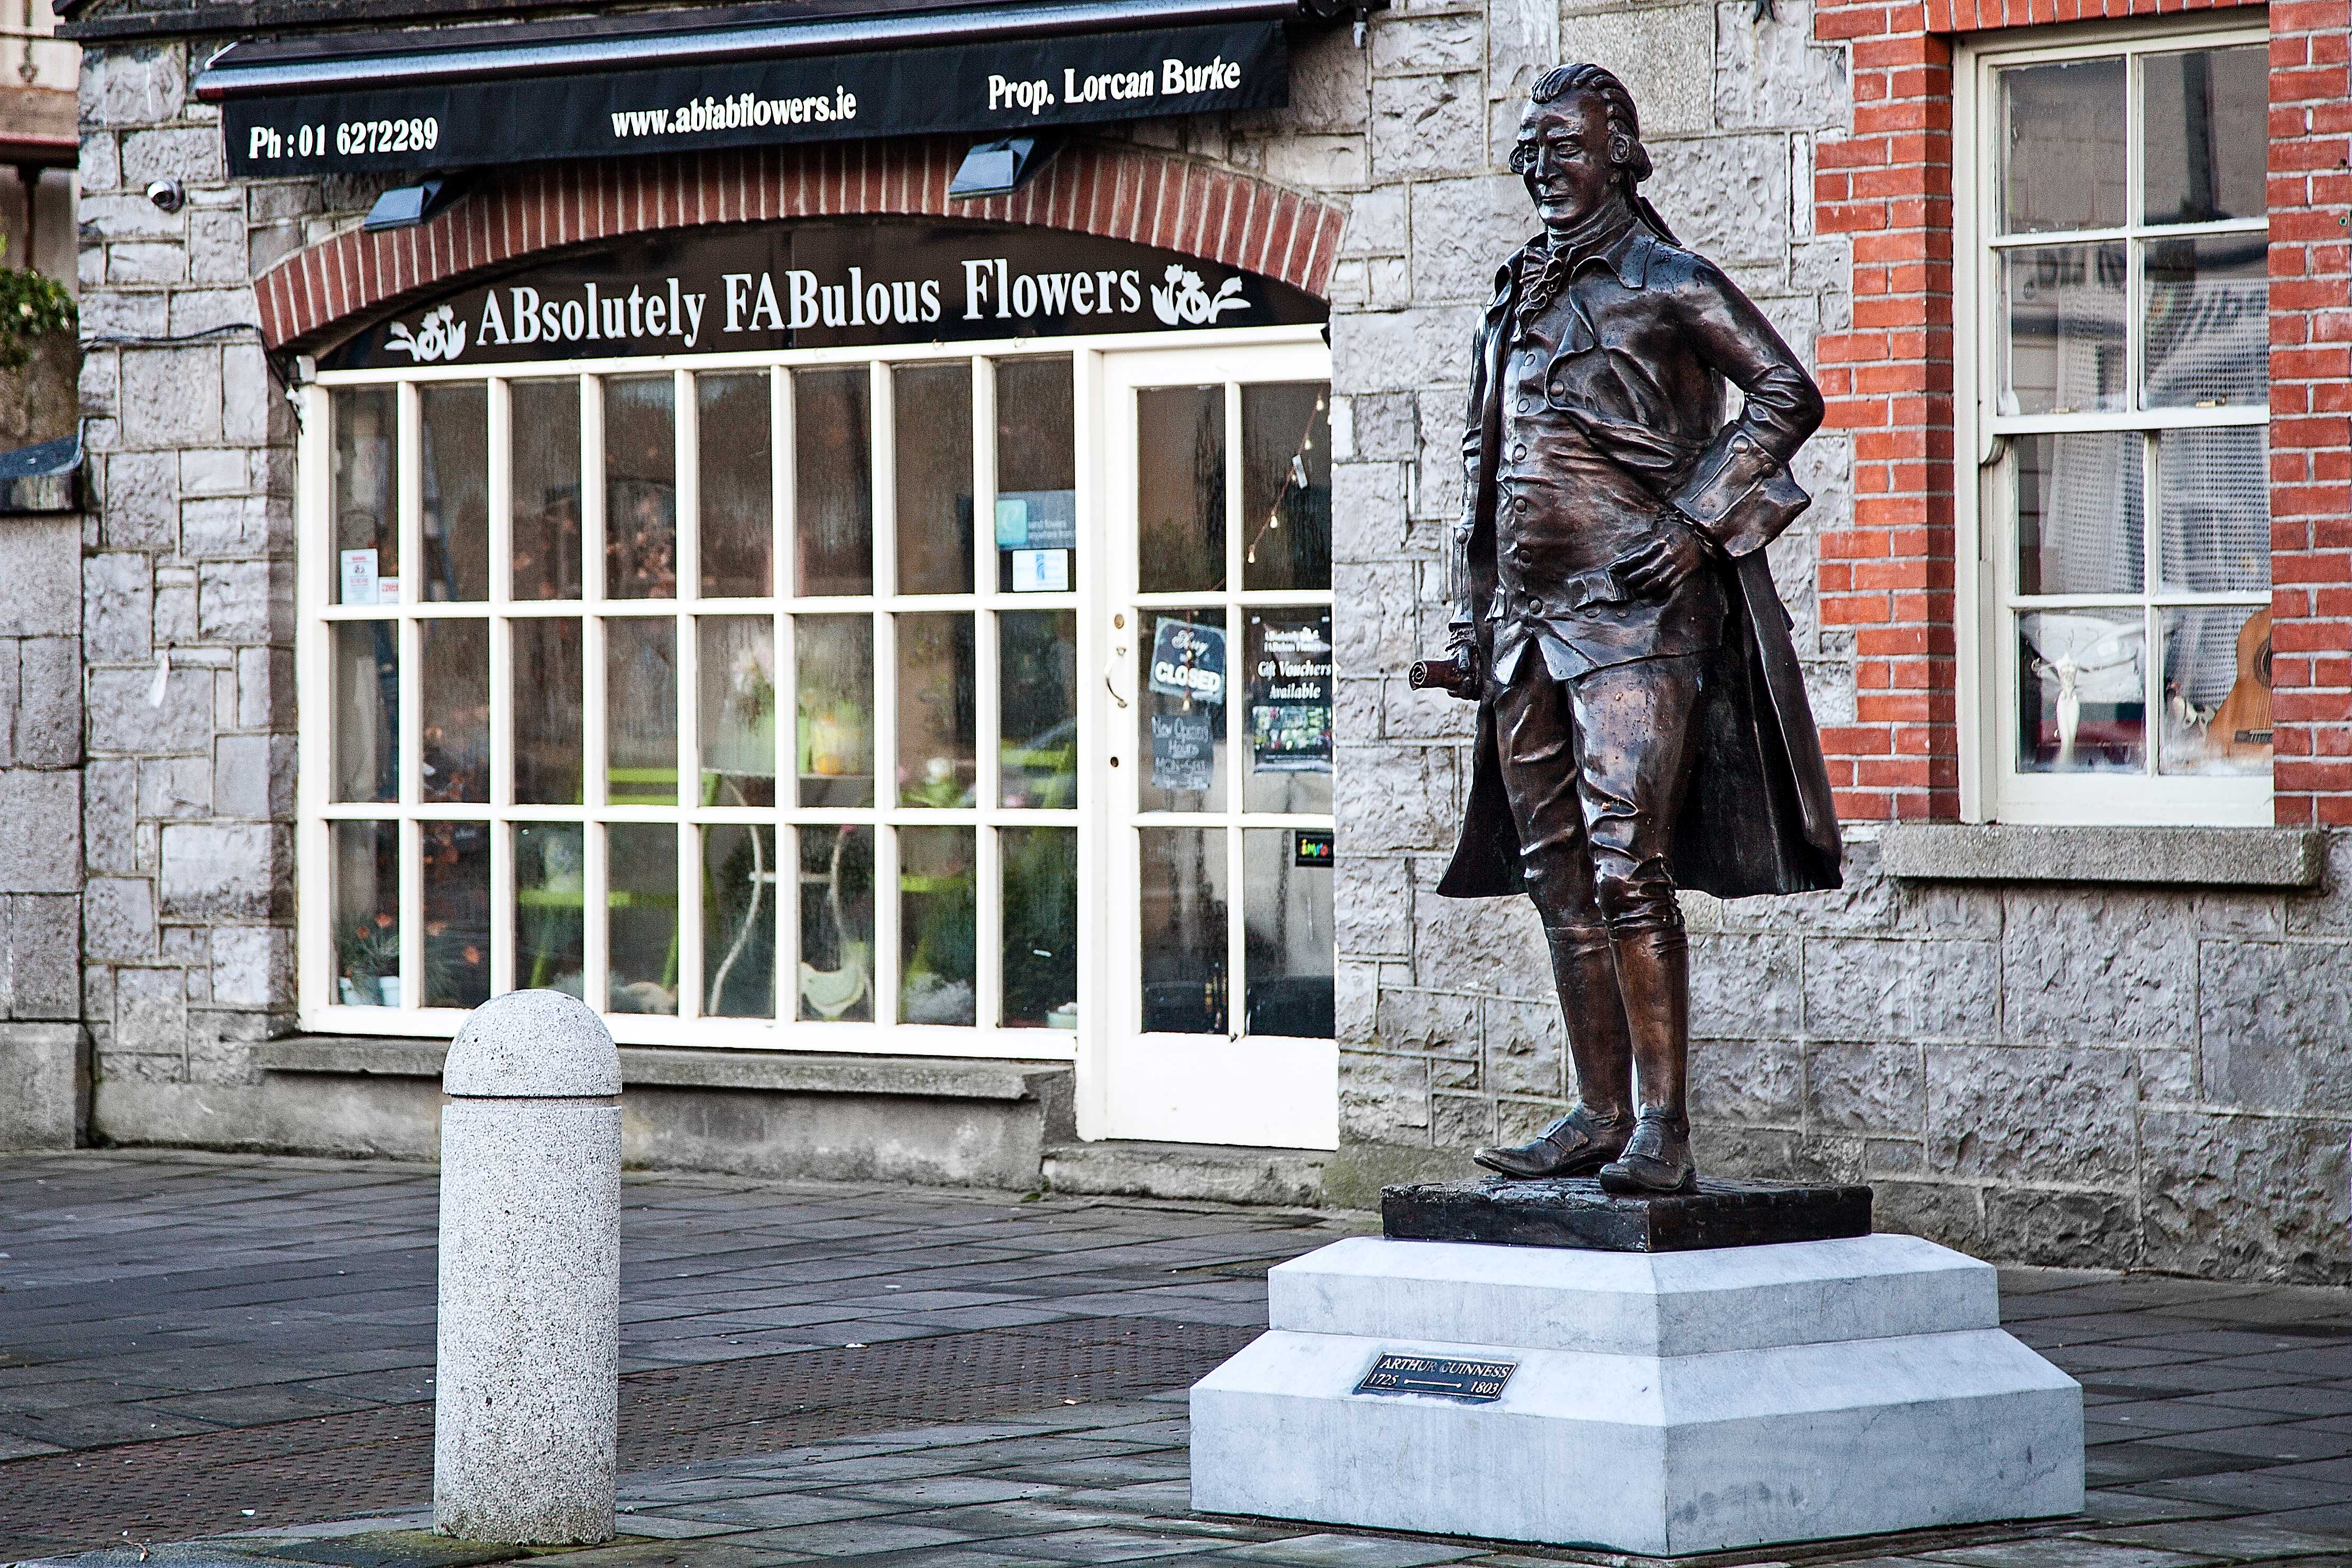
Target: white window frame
(316, 967)
(1991, 788)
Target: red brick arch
(1122, 192)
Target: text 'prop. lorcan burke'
(527, 1403)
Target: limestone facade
(2094, 1075)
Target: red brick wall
(1888, 579)
(1135, 193)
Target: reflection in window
(1287, 935)
(2061, 146)
(938, 947)
(1285, 486)
(937, 726)
(641, 872)
(366, 481)
(548, 739)
(551, 906)
(741, 880)
(2208, 338)
(364, 878)
(641, 710)
(366, 674)
(544, 440)
(835, 657)
(836, 911)
(931, 407)
(455, 696)
(1036, 477)
(1182, 904)
(2079, 527)
(1040, 880)
(737, 483)
(2083, 691)
(2205, 128)
(1181, 489)
(456, 913)
(2217, 690)
(1037, 675)
(640, 488)
(456, 459)
(2062, 343)
(833, 482)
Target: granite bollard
(526, 1408)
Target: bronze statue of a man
(1642, 718)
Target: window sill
(2290, 859)
(650, 1067)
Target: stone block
(1749, 1080)
(1493, 946)
(40, 830)
(49, 702)
(1427, 125)
(40, 560)
(1395, 798)
(1665, 54)
(2018, 1114)
(1373, 525)
(2063, 1229)
(1443, 1023)
(146, 262)
(264, 688)
(1769, 72)
(1354, 989)
(171, 397)
(1461, 1121)
(142, 502)
(109, 821)
(251, 410)
(45, 956)
(1522, 43)
(244, 602)
(150, 1011)
(133, 84)
(1402, 41)
(1872, 988)
(225, 871)
(253, 776)
(191, 154)
(117, 608)
(1526, 1050)
(118, 919)
(100, 168)
(2330, 906)
(1319, 163)
(1946, 1212)
(1386, 425)
(1378, 634)
(1861, 1087)
(1372, 907)
(1385, 350)
(175, 604)
(2095, 966)
(45, 1082)
(1518, 1121)
(1728, 196)
(1376, 223)
(253, 966)
(1745, 987)
(2244, 1197)
(198, 311)
(2273, 1017)
(232, 527)
(1327, 76)
(175, 787)
(1383, 1098)
(217, 249)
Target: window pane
(2063, 162)
(1181, 488)
(931, 413)
(366, 875)
(547, 712)
(1040, 868)
(1183, 908)
(2213, 509)
(2063, 351)
(1289, 712)
(2217, 690)
(641, 710)
(833, 481)
(2082, 692)
(456, 500)
(641, 891)
(1038, 681)
(1180, 709)
(1036, 477)
(833, 655)
(937, 755)
(740, 885)
(1286, 935)
(2207, 322)
(2207, 133)
(1286, 487)
(456, 913)
(836, 909)
(738, 673)
(640, 488)
(736, 480)
(937, 948)
(543, 421)
(366, 711)
(550, 898)
(2079, 527)
(454, 692)
(367, 495)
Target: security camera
(168, 195)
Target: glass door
(1217, 694)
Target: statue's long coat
(1759, 818)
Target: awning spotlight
(1000, 167)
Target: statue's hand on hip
(1659, 567)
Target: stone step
(1218, 1173)
(1636, 1303)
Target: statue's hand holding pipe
(1456, 672)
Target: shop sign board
(830, 283)
(1001, 88)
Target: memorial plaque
(1441, 1376)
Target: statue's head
(1580, 144)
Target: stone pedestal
(1664, 1403)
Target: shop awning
(682, 81)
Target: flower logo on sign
(440, 336)
(1183, 301)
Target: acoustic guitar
(2241, 727)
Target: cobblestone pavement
(887, 1379)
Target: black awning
(703, 37)
(747, 75)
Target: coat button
(1518, 452)
(1527, 405)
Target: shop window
(639, 686)
(2117, 284)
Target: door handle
(1118, 657)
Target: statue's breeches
(1595, 769)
